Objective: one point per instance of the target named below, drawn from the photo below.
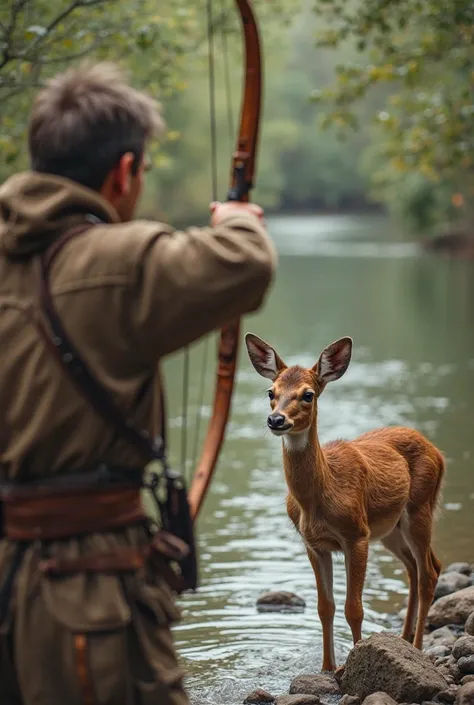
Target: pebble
(259, 696)
(280, 602)
(466, 664)
(464, 568)
(297, 700)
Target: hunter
(85, 619)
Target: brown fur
(383, 485)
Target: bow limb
(241, 182)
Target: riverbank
(384, 669)
(453, 244)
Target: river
(411, 316)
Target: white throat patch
(296, 442)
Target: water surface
(411, 316)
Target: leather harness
(105, 499)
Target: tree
(40, 37)
(421, 52)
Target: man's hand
(220, 211)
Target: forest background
(368, 104)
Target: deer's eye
(271, 394)
(308, 397)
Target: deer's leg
(417, 532)
(321, 563)
(397, 545)
(356, 554)
(436, 563)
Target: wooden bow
(242, 174)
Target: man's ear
(263, 357)
(124, 173)
(334, 360)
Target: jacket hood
(36, 208)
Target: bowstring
(214, 189)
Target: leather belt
(53, 516)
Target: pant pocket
(158, 694)
(156, 675)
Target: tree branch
(16, 9)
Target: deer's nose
(275, 421)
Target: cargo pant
(91, 639)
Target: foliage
(298, 167)
(422, 53)
(40, 37)
(165, 48)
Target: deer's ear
(263, 357)
(334, 360)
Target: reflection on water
(411, 318)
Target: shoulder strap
(71, 362)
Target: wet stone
(466, 695)
(280, 601)
(467, 679)
(259, 696)
(297, 700)
(464, 568)
(466, 664)
(449, 695)
(386, 663)
(451, 582)
(438, 651)
(469, 626)
(464, 646)
(320, 684)
(379, 698)
(349, 700)
(452, 609)
(444, 636)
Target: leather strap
(75, 513)
(121, 561)
(82, 377)
(162, 548)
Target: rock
(467, 679)
(440, 637)
(259, 696)
(466, 664)
(297, 700)
(452, 609)
(444, 670)
(280, 602)
(379, 699)
(320, 684)
(339, 672)
(469, 626)
(464, 646)
(451, 582)
(464, 568)
(453, 669)
(353, 699)
(438, 651)
(387, 663)
(440, 661)
(448, 695)
(465, 695)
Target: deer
(383, 485)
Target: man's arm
(192, 282)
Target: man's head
(90, 126)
